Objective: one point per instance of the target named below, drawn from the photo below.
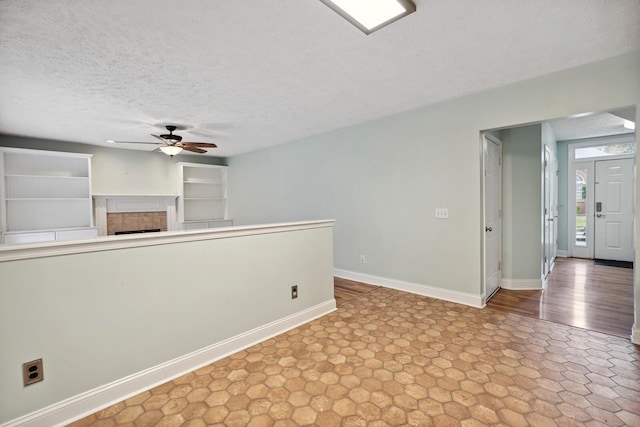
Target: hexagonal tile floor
(391, 358)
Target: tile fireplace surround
(134, 212)
(130, 221)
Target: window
(604, 150)
(581, 207)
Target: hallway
(577, 293)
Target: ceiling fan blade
(199, 144)
(134, 142)
(160, 138)
(193, 149)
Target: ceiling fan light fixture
(170, 150)
(371, 15)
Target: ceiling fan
(172, 144)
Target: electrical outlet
(363, 260)
(294, 292)
(32, 372)
(442, 213)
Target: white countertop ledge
(108, 243)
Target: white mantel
(109, 203)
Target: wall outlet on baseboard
(363, 260)
(294, 292)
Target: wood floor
(345, 290)
(577, 293)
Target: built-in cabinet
(202, 201)
(44, 196)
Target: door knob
(488, 229)
(600, 215)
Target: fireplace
(129, 222)
(116, 214)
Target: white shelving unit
(203, 196)
(45, 196)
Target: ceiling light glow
(170, 150)
(371, 15)
(628, 124)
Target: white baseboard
(635, 334)
(84, 404)
(414, 288)
(562, 254)
(521, 284)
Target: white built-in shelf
(31, 199)
(204, 181)
(46, 176)
(44, 191)
(203, 195)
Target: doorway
(591, 206)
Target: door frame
(549, 210)
(483, 234)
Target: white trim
(107, 243)
(44, 152)
(201, 165)
(143, 203)
(84, 404)
(562, 254)
(635, 334)
(414, 288)
(521, 284)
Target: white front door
(492, 213)
(614, 209)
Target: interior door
(547, 215)
(614, 209)
(554, 208)
(492, 213)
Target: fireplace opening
(148, 230)
(139, 222)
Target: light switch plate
(442, 213)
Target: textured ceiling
(254, 73)
(593, 125)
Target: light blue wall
(100, 317)
(382, 180)
(521, 202)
